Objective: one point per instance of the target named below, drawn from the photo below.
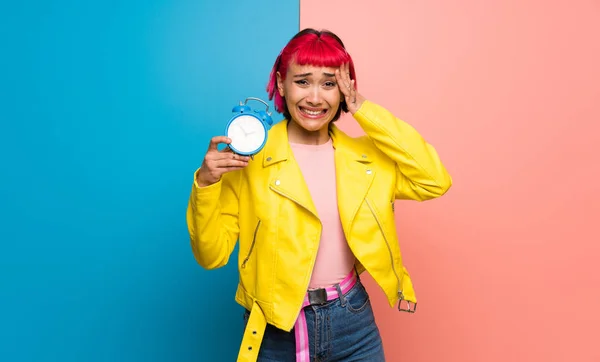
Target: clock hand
(243, 130)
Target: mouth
(312, 112)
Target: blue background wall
(106, 110)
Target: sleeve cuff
(365, 111)
(209, 192)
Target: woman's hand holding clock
(216, 162)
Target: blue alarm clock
(248, 128)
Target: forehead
(309, 69)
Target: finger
(342, 83)
(236, 156)
(215, 141)
(227, 151)
(338, 77)
(232, 163)
(228, 155)
(346, 75)
(349, 77)
(233, 168)
(347, 71)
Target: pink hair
(317, 48)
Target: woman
(312, 210)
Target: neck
(299, 135)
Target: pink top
(334, 258)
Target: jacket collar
(277, 148)
(354, 172)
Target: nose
(314, 96)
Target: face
(311, 95)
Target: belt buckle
(317, 296)
(410, 308)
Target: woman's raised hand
(353, 99)
(216, 162)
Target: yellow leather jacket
(268, 208)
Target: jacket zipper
(252, 245)
(400, 294)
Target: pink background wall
(505, 265)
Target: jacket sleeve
(212, 220)
(420, 174)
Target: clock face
(247, 134)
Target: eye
(301, 82)
(330, 84)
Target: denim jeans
(343, 329)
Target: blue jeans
(343, 329)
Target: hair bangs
(321, 53)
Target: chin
(313, 125)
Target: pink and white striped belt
(316, 297)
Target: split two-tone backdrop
(107, 109)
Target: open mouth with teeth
(313, 113)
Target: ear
(280, 85)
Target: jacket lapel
(288, 180)
(354, 173)
(354, 176)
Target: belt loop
(357, 274)
(341, 295)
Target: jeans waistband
(318, 297)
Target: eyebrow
(307, 74)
